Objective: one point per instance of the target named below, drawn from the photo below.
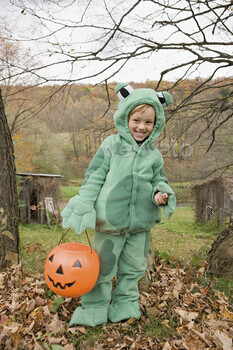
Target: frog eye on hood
(123, 90)
(164, 98)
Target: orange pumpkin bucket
(71, 269)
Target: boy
(120, 197)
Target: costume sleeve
(79, 213)
(160, 184)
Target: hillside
(58, 129)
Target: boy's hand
(161, 198)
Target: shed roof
(39, 175)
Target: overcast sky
(140, 70)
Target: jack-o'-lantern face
(71, 269)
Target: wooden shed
(214, 199)
(38, 197)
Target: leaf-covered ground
(181, 309)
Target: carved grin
(59, 284)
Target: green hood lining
(123, 128)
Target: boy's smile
(141, 124)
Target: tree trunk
(220, 256)
(9, 236)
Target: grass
(181, 236)
(36, 241)
(224, 285)
(66, 192)
(182, 191)
(91, 335)
(157, 328)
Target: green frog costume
(117, 200)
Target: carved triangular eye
(51, 258)
(59, 271)
(77, 264)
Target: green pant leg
(95, 304)
(131, 267)
(108, 248)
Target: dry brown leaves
(178, 312)
(26, 320)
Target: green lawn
(182, 191)
(180, 236)
(36, 241)
(66, 192)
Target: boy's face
(141, 124)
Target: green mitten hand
(171, 202)
(78, 215)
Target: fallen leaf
(12, 257)
(166, 323)
(37, 346)
(202, 336)
(55, 325)
(40, 301)
(185, 315)
(226, 313)
(46, 311)
(9, 235)
(35, 318)
(82, 330)
(4, 220)
(3, 318)
(69, 347)
(162, 306)
(54, 340)
(2, 285)
(223, 340)
(193, 342)
(202, 270)
(30, 305)
(35, 246)
(166, 346)
(15, 337)
(177, 289)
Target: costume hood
(130, 98)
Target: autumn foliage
(24, 153)
(57, 129)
